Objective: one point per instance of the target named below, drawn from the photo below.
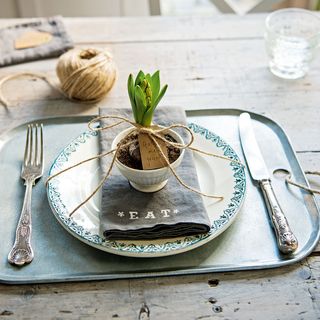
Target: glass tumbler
(292, 37)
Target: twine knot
(146, 130)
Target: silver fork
(32, 169)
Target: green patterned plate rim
(168, 247)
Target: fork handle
(21, 252)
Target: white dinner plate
(216, 176)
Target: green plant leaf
(161, 94)
(148, 77)
(131, 96)
(139, 77)
(155, 80)
(141, 103)
(147, 118)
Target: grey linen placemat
(59, 43)
(171, 212)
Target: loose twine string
(41, 76)
(68, 94)
(154, 134)
(306, 188)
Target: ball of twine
(86, 74)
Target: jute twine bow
(154, 134)
(306, 188)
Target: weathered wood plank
(285, 293)
(195, 68)
(314, 282)
(150, 29)
(144, 29)
(202, 75)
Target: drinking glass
(292, 37)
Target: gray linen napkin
(59, 43)
(171, 212)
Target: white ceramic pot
(147, 180)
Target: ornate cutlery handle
(287, 242)
(21, 251)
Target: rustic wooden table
(215, 62)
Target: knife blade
(286, 240)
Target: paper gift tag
(150, 155)
(32, 39)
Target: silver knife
(286, 240)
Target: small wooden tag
(32, 39)
(150, 155)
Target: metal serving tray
(248, 244)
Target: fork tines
(33, 154)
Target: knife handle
(287, 242)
